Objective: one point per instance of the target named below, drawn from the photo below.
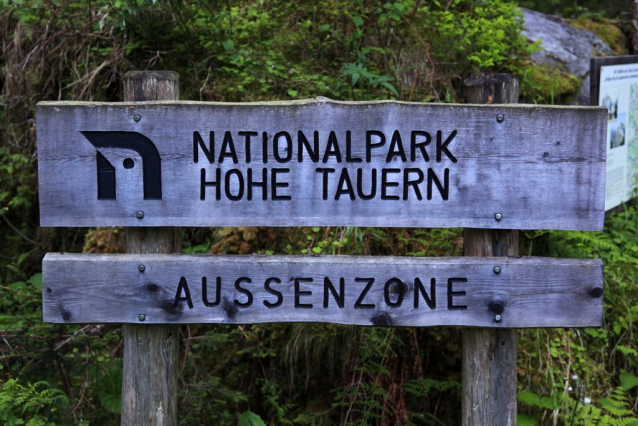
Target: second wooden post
(489, 355)
(149, 388)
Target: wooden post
(149, 388)
(489, 355)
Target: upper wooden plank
(525, 292)
(440, 165)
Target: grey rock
(564, 46)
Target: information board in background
(615, 86)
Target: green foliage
(110, 388)
(546, 84)
(248, 418)
(36, 404)
(598, 354)
(614, 410)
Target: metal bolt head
(498, 216)
(596, 292)
(498, 318)
(137, 118)
(500, 118)
(141, 268)
(141, 317)
(139, 214)
(497, 269)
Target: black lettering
(299, 293)
(332, 149)
(240, 185)
(407, 183)
(228, 149)
(243, 291)
(421, 145)
(338, 297)
(359, 303)
(442, 147)
(218, 292)
(204, 183)
(344, 179)
(393, 285)
(451, 293)
(263, 184)
(349, 157)
(280, 297)
(182, 287)
(431, 299)
(373, 185)
(385, 184)
(370, 145)
(198, 141)
(247, 136)
(274, 185)
(275, 151)
(396, 148)
(444, 189)
(324, 172)
(264, 147)
(302, 142)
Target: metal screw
(497, 269)
(141, 317)
(139, 214)
(498, 318)
(141, 268)
(498, 216)
(137, 118)
(500, 118)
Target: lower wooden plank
(381, 291)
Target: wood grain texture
(489, 356)
(540, 168)
(151, 353)
(535, 292)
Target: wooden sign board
(321, 162)
(525, 292)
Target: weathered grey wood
(149, 388)
(535, 292)
(496, 88)
(541, 167)
(489, 356)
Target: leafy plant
(36, 404)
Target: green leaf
(292, 93)
(533, 399)
(628, 381)
(358, 21)
(228, 46)
(248, 418)
(111, 390)
(526, 420)
(626, 350)
(390, 87)
(36, 281)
